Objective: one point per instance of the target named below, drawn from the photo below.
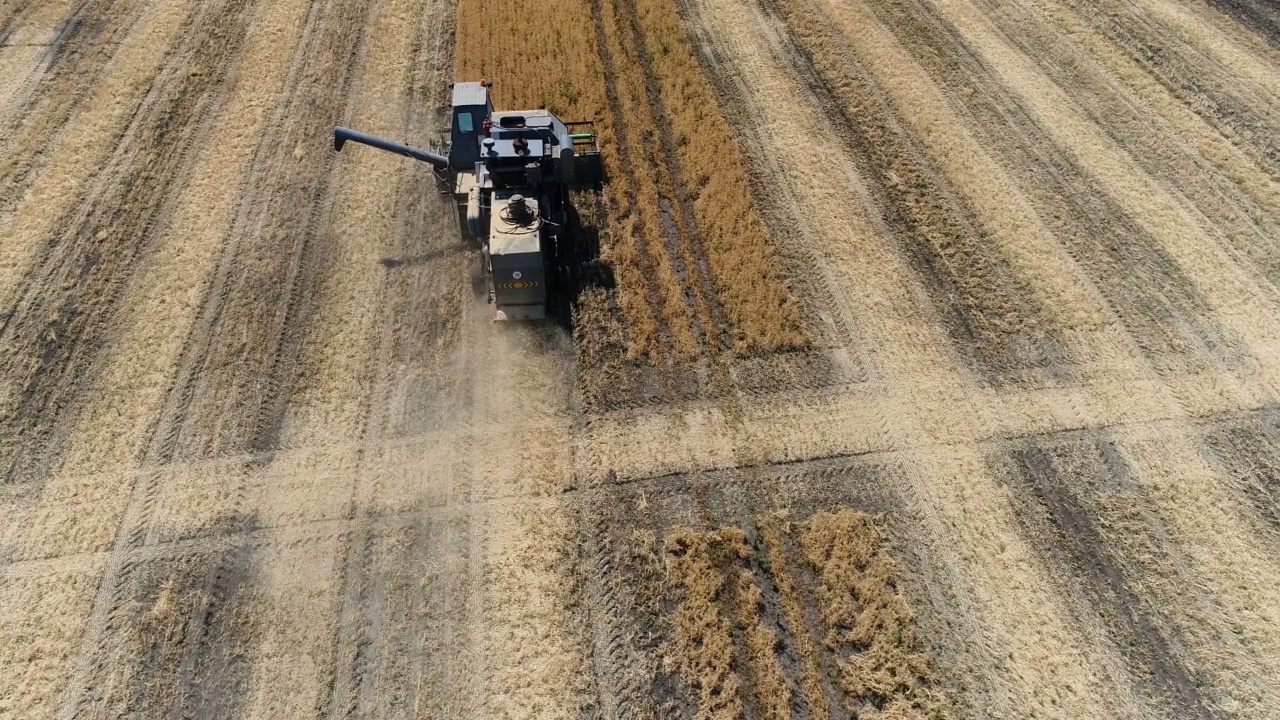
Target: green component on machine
(582, 136)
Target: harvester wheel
(479, 284)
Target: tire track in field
(188, 623)
(1260, 15)
(422, 325)
(380, 651)
(65, 307)
(986, 309)
(27, 52)
(1245, 226)
(1152, 296)
(1247, 445)
(85, 46)
(11, 15)
(232, 384)
(1234, 109)
(1055, 471)
(86, 144)
(205, 55)
(621, 609)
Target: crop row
(695, 273)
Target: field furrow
(988, 310)
(1256, 14)
(239, 358)
(88, 143)
(52, 336)
(1244, 113)
(1142, 283)
(1243, 220)
(913, 359)
(72, 63)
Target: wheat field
(927, 364)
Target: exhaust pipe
(341, 135)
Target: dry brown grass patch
(717, 597)
(747, 272)
(870, 629)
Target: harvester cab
(510, 175)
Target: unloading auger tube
(341, 135)
(510, 175)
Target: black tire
(479, 283)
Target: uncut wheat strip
(1227, 600)
(87, 142)
(649, 180)
(700, 645)
(528, 75)
(730, 235)
(1189, 238)
(963, 509)
(639, 38)
(870, 626)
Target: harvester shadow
(587, 270)
(392, 263)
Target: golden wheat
(870, 628)
(655, 160)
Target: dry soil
(926, 363)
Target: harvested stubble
(667, 149)
(870, 628)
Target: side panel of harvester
(509, 174)
(516, 257)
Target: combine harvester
(510, 174)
